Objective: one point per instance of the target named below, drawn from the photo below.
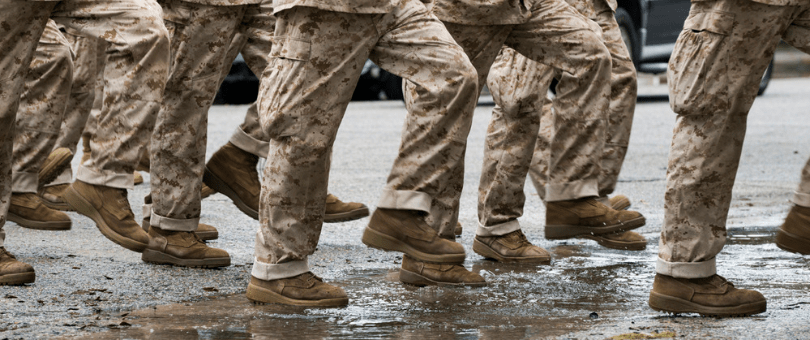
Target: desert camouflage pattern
(623, 92)
(720, 56)
(342, 6)
(802, 195)
(88, 56)
(21, 25)
(42, 105)
(558, 35)
(202, 36)
(316, 61)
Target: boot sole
(48, 172)
(375, 239)
(57, 206)
(486, 251)
(219, 185)
(261, 295)
(622, 204)
(84, 207)
(346, 216)
(562, 232)
(17, 279)
(792, 243)
(664, 303)
(154, 256)
(207, 236)
(415, 279)
(616, 244)
(39, 225)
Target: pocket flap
(290, 48)
(712, 21)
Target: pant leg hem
(497, 229)
(801, 199)
(173, 224)
(267, 271)
(572, 190)
(66, 177)
(686, 270)
(105, 178)
(24, 182)
(247, 143)
(405, 200)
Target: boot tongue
(126, 210)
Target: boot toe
(216, 253)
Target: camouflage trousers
(556, 34)
(304, 94)
(135, 75)
(205, 40)
(42, 105)
(85, 96)
(519, 86)
(713, 76)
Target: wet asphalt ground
(88, 287)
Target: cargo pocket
(698, 69)
(283, 84)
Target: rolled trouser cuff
(266, 271)
(686, 270)
(147, 211)
(405, 200)
(571, 190)
(66, 177)
(497, 229)
(247, 143)
(105, 178)
(173, 224)
(24, 182)
(801, 199)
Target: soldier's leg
(42, 106)
(232, 169)
(301, 106)
(79, 105)
(706, 145)
(623, 91)
(200, 36)
(428, 174)
(519, 88)
(22, 23)
(135, 72)
(559, 36)
(794, 234)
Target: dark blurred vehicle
(242, 87)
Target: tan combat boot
(512, 247)
(232, 172)
(794, 234)
(85, 148)
(420, 273)
(182, 248)
(54, 165)
(27, 210)
(711, 296)
(204, 231)
(458, 230)
(584, 216)
(137, 178)
(627, 240)
(13, 272)
(54, 197)
(110, 209)
(406, 231)
(206, 191)
(302, 290)
(339, 211)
